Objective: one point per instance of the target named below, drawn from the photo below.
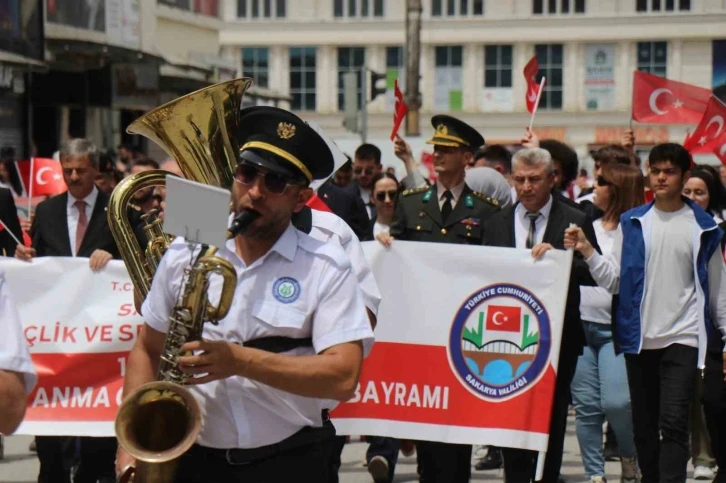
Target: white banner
(80, 326)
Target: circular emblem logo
(286, 290)
(500, 343)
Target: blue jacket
(628, 324)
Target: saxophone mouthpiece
(242, 222)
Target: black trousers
(387, 448)
(714, 409)
(97, 460)
(661, 385)
(444, 462)
(519, 464)
(305, 463)
(56, 455)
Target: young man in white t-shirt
(671, 299)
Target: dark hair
(612, 154)
(627, 189)
(381, 176)
(674, 153)
(566, 156)
(347, 166)
(714, 186)
(368, 151)
(496, 153)
(146, 162)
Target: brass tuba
(159, 421)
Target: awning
(16, 59)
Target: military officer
(447, 212)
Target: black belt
(242, 456)
(278, 343)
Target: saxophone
(160, 420)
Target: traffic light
(378, 84)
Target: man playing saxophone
(294, 339)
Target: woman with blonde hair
(600, 385)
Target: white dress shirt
(73, 215)
(14, 353)
(521, 224)
(330, 227)
(455, 193)
(322, 300)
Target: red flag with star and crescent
(46, 177)
(657, 100)
(711, 129)
(399, 111)
(318, 204)
(530, 75)
(720, 148)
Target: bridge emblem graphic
(499, 342)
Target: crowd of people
(645, 317)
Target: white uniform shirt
(14, 352)
(73, 215)
(300, 288)
(330, 227)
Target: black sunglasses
(602, 181)
(381, 195)
(369, 171)
(274, 183)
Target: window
(256, 9)
(554, 7)
(358, 8)
(255, 64)
(550, 61)
(350, 58)
(662, 5)
(302, 78)
(449, 86)
(457, 8)
(498, 66)
(653, 57)
(395, 69)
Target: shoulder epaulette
(415, 190)
(486, 198)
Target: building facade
(472, 56)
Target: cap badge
(442, 130)
(286, 130)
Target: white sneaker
(597, 479)
(702, 473)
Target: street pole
(413, 55)
(364, 104)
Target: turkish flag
(530, 75)
(317, 204)
(719, 148)
(427, 159)
(46, 178)
(504, 318)
(400, 110)
(711, 128)
(657, 100)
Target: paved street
(20, 466)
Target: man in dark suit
(71, 224)
(538, 222)
(448, 212)
(9, 216)
(366, 164)
(349, 207)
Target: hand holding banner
(400, 110)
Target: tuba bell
(159, 421)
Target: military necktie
(446, 207)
